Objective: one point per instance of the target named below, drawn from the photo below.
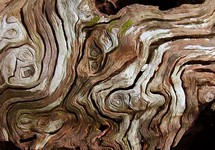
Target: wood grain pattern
(86, 74)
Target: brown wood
(104, 74)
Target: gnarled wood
(95, 74)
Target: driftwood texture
(86, 74)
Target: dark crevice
(201, 135)
(103, 127)
(202, 62)
(111, 7)
(62, 148)
(8, 145)
(28, 139)
(204, 70)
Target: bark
(104, 74)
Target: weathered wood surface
(81, 74)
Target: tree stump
(104, 74)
